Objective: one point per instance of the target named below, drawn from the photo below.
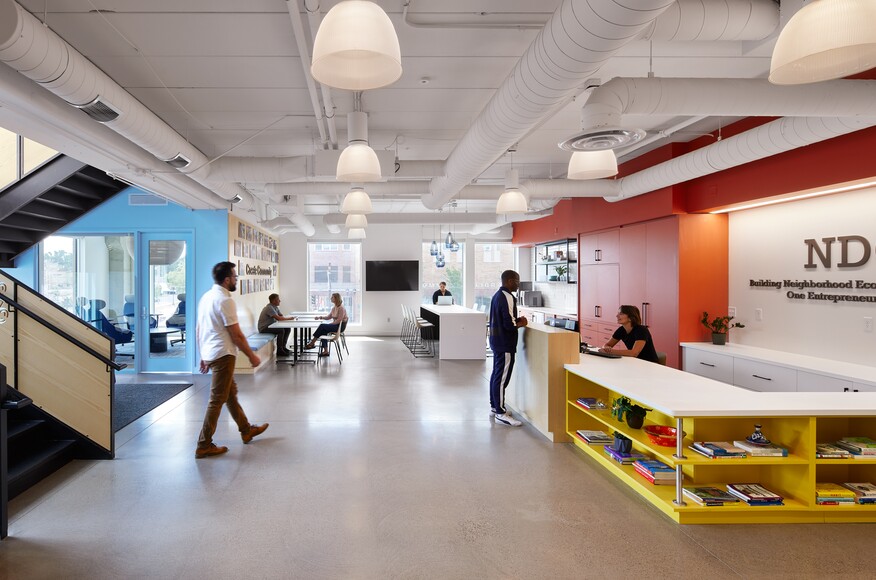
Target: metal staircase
(46, 200)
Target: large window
(490, 260)
(19, 156)
(335, 268)
(453, 273)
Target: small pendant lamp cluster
(356, 49)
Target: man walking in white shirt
(219, 337)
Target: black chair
(178, 319)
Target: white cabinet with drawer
(709, 364)
(759, 376)
(814, 383)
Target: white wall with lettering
(768, 250)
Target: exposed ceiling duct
(578, 39)
(771, 139)
(41, 55)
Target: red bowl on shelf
(662, 435)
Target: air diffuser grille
(99, 110)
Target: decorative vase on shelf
(719, 338)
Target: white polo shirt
(216, 312)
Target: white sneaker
(507, 419)
(493, 413)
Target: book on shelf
(624, 458)
(858, 445)
(591, 403)
(709, 495)
(655, 468)
(834, 501)
(829, 451)
(833, 491)
(595, 437)
(770, 450)
(711, 456)
(655, 480)
(719, 449)
(754, 494)
(866, 490)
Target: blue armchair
(131, 316)
(99, 320)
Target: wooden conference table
(305, 321)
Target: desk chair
(661, 358)
(131, 316)
(178, 319)
(99, 320)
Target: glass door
(163, 316)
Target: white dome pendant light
(358, 162)
(512, 201)
(357, 201)
(356, 220)
(356, 234)
(592, 164)
(356, 48)
(826, 39)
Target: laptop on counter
(594, 350)
(445, 300)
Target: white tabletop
(297, 323)
(682, 394)
(450, 309)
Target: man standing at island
(219, 337)
(504, 323)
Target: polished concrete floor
(384, 467)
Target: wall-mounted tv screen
(392, 275)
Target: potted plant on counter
(635, 414)
(720, 326)
(561, 271)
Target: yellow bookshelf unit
(708, 410)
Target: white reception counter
(462, 331)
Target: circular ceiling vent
(605, 138)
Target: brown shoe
(253, 431)
(210, 451)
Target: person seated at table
(635, 336)
(441, 291)
(270, 314)
(336, 316)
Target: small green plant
(720, 324)
(623, 405)
(561, 270)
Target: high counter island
(462, 332)
(709, 410)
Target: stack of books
(833, 494)
(717, 449)
(754, 494)
(828, 451)
(709, 496)
(753, 450)
(595, 437)
(865, 493)
(623, 458)
(656, 472)
(591, 403)
(859, 447)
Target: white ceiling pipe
(314, 19)
(259, 169)
(578, 39)
(725, 97)
(426, 169)
(41, 55)
(536, 188)
(303, 224)
(501, 220)
(416, 218)
(304, 57)
(716, 21)
(770, 139)
(72, 133)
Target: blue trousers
(324, 329)
(503, 364)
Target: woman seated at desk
(635, 336)
(337, 316)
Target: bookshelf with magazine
(788, 468)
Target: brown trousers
(223, 391)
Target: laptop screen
(445, 300)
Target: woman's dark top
(640, 332)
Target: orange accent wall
(703, 278)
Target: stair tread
(18, 427)
(32, 462)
